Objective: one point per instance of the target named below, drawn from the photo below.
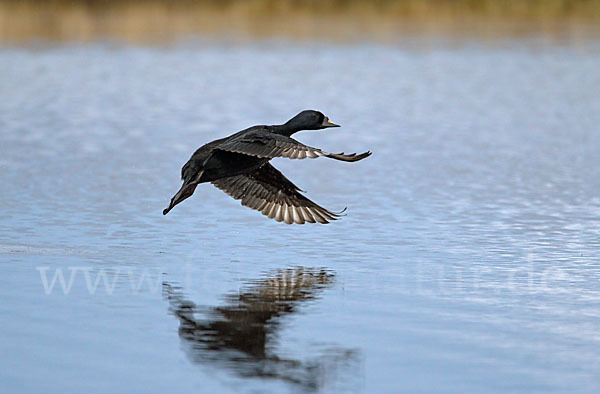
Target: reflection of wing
(266, 144)
(240, 335)
(286, 286)
(268, 191)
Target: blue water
(467, 262)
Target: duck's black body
(239, 165)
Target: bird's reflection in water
(241, 334)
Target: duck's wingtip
(341, 213)
(357, 157)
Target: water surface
(468, 260)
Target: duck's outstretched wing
(265, 144)
(268, 191)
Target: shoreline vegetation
(149, 21)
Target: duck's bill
(328, 123)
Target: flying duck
(239, 166)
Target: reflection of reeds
(150, 20)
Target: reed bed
(154, 20)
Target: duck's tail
(186, 190)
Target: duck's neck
(287, 128)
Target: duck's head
(310, 120)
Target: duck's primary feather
(266, 144)
(268, 191)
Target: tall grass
(346, 19)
